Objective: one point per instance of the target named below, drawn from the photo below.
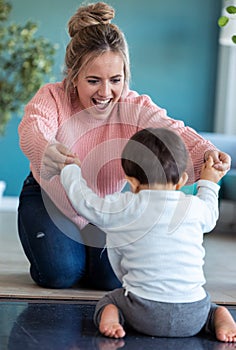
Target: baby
(154, 237)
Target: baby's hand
(210, 173)
(75, 161)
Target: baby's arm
(208, 189)
(210, 173)
(102, 211)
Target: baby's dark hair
(155, 155)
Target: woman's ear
(182, 181)
(134, 183)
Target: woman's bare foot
(109, 323)
(225, 326)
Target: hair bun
(89, 15)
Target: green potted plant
(26, 61)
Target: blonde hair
(92, 34)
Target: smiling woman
(86, 118)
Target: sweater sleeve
(38, 127)
(195, 144)
(151, 115)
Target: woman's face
(100, 84)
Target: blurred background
(174, 50)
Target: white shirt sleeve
(207, 192)
(97, 210)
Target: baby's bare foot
(225, 326)
(112, 330)
(109, 324)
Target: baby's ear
(134, 183)
(182, 180)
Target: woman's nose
(104, 89)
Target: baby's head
(155, 156)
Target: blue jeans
(56, 259)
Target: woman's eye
(116, 80)
(92, 81)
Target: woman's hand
(221, 160)
(55, 158)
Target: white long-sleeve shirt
(154, 238)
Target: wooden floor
(15, 282)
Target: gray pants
(158, 318)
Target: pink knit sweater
(50, 117)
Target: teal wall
(173, 49)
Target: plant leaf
(222, 21)
(234, 39)
(26, 62)
(231, 9)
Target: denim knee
(57, 280)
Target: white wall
(225, 111)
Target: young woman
(89, 115)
